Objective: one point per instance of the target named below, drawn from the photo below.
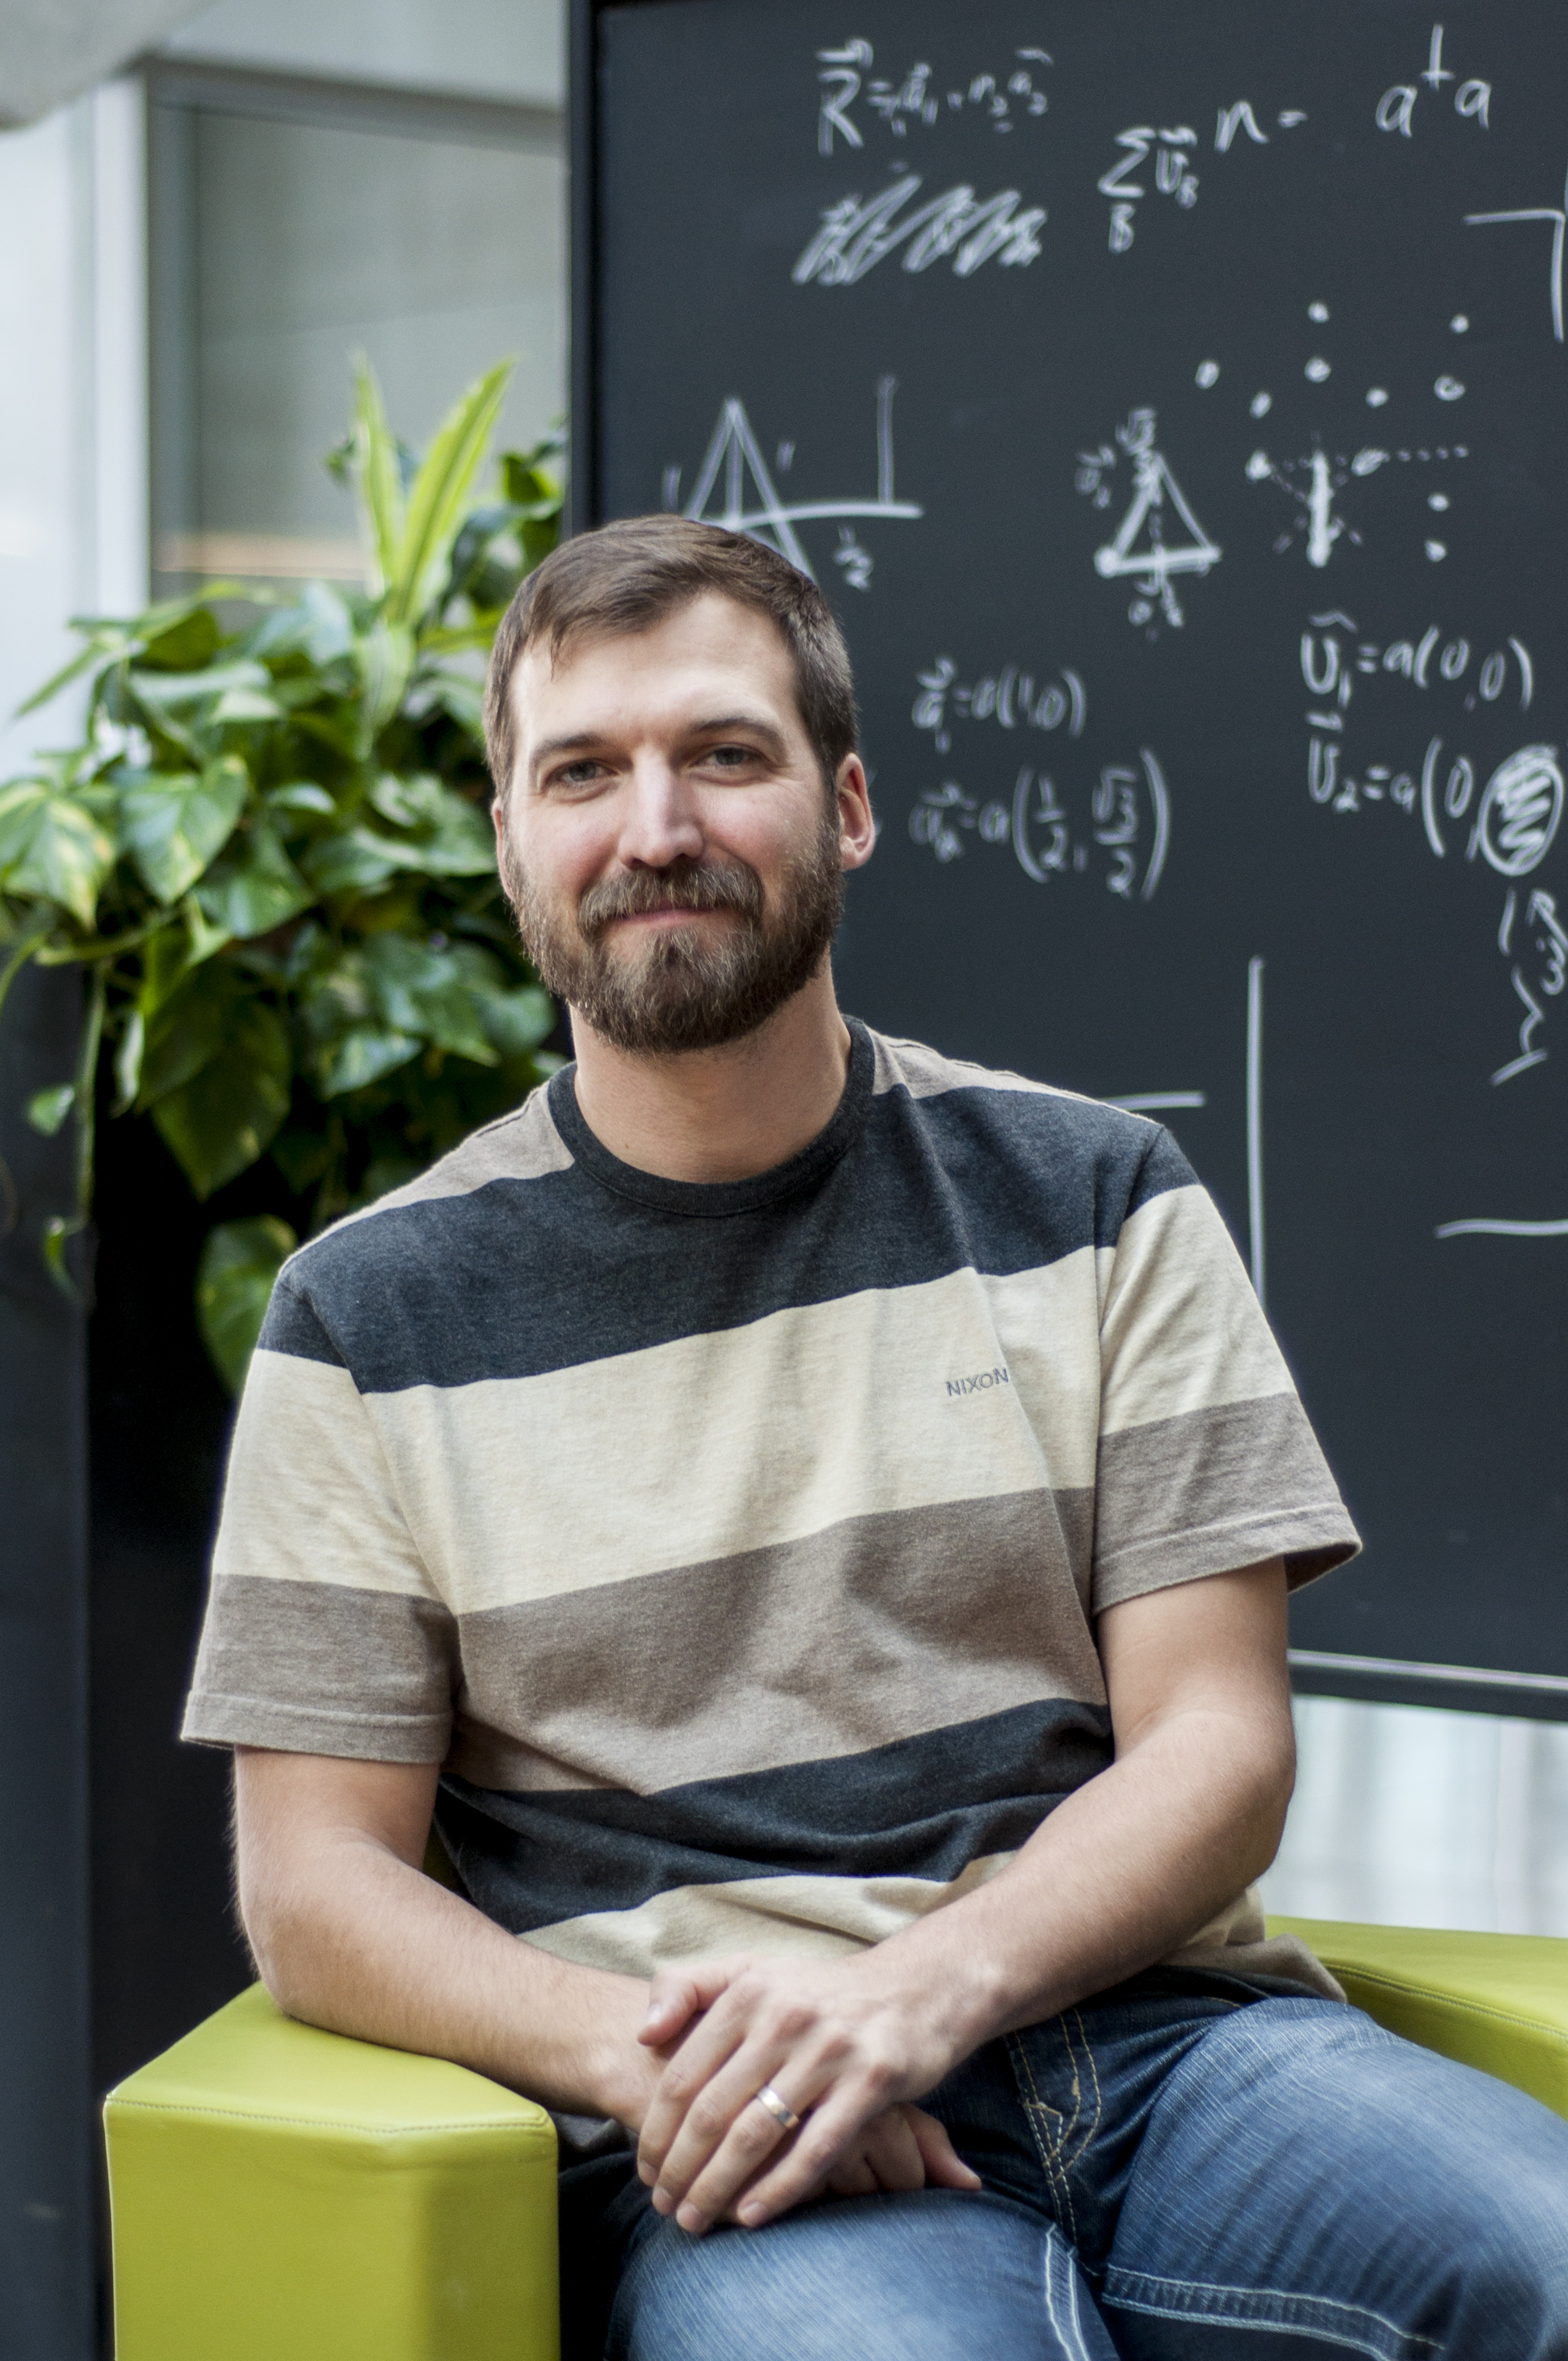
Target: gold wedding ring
(780, 2113)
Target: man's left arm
(1120, 1875)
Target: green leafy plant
(270, 857)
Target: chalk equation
(1121, 839)
(918, 100)
(1396, 110)
(1502, 815)
(751, 503)
(1140, 548)
(1167, 154)
(957, 227)
(1012, 698)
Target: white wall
(512, 49)
(72, 402)
(1408, 1815)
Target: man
(814, 1520)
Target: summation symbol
(750, 501)
(1138, 549)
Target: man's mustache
(685, 885)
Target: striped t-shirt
(735, 1549)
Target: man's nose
(661, 821)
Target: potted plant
(268, 855)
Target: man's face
(666, 840)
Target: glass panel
(284, 247)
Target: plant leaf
(438, 499)
(173, 823)
(363, 1055)
(222, 1119)
(127, 1063)
(178, 689)
(254, 888)
(377, 475)
(519, 1020)
(46, 1110)
(238, 1264)
(51, 846)
(385, 657)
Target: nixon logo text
(979, 1385)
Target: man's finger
(677, 1994)
(822, 2140)
(891, 2153)
(707, 2049)
(945, 2167)
(729, 2129)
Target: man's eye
(731, 758)
(578, 775)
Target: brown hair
(627, 577)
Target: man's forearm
(349, 1936)
(1121, 1874)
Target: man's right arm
(348, 1933)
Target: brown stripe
(311, 1668)
(873, 1630)
(1180, 1498)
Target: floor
(1407, 1816)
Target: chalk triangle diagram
(1152, 564)
(735, 448)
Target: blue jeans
(1170, 2173)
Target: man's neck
(725, 1114)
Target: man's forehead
(710, 643)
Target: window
(293, 225)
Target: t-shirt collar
(711, 1198)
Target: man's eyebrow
(548, 747)
(715, 726)
(758, 723)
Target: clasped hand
(847, 2050)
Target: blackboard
(1171, 402)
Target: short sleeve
(324, 1633)
(1206, 1458)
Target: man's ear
(857, 828)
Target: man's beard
(683, 987)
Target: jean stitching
(1073, 2336)
(1244, 2307)
(1037, 2111)
(1099, 2095)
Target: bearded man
(813, 1521)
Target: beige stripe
(524, 1146)
(926, 1074)
(832, 1917)
(813, 1917)
(309, 1496)
(1183, 1330)
(874, 1631)
(694, 1450)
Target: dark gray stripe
(925, 1808)
(521, 1276)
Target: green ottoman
(280, 2195)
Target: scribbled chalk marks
(957, 227)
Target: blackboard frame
(1370, 1679)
